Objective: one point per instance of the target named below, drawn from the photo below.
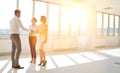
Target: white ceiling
(101, 5)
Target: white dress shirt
(33, 30)
(15, 25)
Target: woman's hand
(32, 31)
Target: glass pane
(99, 23)
(65, 20)
(7, 8)
(53, 19)
(83, 22)
(105, 24)
(111, 25)
(40, 10)
(75, 21)
(26, 12)
(116, 25)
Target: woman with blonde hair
(33, 39)
(43, 33)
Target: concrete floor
(101, 61)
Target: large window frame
(108, 23)
(69, 30)
(99, 24)
(34, 12)
(7, 8)
(26, 13)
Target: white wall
(75, 42)
(5, 43)
(107, 41)
(52, 44)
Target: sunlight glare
(7, 68)
(75, 12)
(115, 50)
(79, 20)
(3, 63)
(50, 64)
(110, 53)
(62, 61)
(83, 20)
(78, 58)
(93, 56)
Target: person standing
(15, 25)
(33, 39)
(43, 33)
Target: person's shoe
(19, 67)
(44, 63)
(34, 60)
(13, 66)
(40, 63)
(31, 61)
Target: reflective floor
(102, 61)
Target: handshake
(33, 31)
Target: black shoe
(13, 66)
(19, 67)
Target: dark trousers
(16, 49)
(32, 42)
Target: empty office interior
(83, 35)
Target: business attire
(43, 32)
(32, 41)
(15, 25)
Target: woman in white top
(33, 39)
(43, 33)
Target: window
(65, 20)
(40, 10)
(53, 19)
(108, 24)
(83, 22)
(75, 27)
(7, 8)
(26, 12)
(99, 23)
(111, 25)
(105, 24)
(116, 25)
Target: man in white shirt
(15, 25)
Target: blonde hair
(34, 19)
(43, 19)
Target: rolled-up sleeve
(21, 26)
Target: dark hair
(17, 11)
